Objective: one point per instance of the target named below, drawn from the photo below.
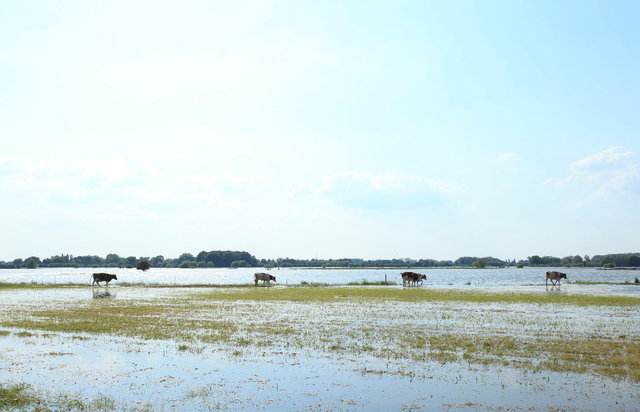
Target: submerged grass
(16, 396)
(145, 321)
(617, 359)
(333, 294)
(19, 397)
(264, 317)
(372, 283)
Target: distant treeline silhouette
(235, 259)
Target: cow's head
(423, 276)
(562, 275)
(115, 277)
(271, 277)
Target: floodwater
(161, 375)
(471, 278)
(158, 376)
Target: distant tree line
(212, 259)
(466, 261)
(611, 260)
(236, 259)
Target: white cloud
(153, 76)
(111, 181)
(280, 62)
(505, 157)
(611, 158)
(383, 191)
(611, 171)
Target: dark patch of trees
(229, 258)
(611, 260)
(387, 263)
(617, 260)
(143, 265)
(215, 258)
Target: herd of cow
(408, 278)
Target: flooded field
(470, 278)
(321, 348)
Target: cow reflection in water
(103, 294)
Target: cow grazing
(412, 278)
(264, 277)
(103, 277)
(554, 277)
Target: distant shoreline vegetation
(237, 259)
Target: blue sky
(425, 129)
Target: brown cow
(412, 278)
(103, 277)
(554, 277)
(264, 277)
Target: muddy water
(163, 375)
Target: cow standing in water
(554, 277)
(412, 278)
(264, 277)
(103, 277)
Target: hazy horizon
(320, 129)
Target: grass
(146, 321)
(372, 283)
(334, 294)
(617, 359)
(601, 283)
(16, 397)
(287, 317)
(314, 284)
(23, 397)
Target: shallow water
(471, 278)
(158, 375)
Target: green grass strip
(333, 294)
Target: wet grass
(145, 321)
(20, 397)
(30, 285)
(16, 397)
(348, 320)
(606, 357)
(334, 294)
(603, 283)
(372, 283)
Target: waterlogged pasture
(319, 348)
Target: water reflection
(99, 293)
(555, 289)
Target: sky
(328, 129)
